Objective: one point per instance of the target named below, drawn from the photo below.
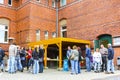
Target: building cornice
(70, 4)
(8, 7)
(36, 3)
(27, 2)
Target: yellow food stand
(61, 43)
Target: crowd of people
(19, 58)
(100, 61)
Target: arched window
(4, 25)
(63, 28)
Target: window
(53, 34)
(53, 3)
(37, 35)
(10, 2)
(46, 35)
(116, 41)
(63, 31)
(62, 2)
(3, 34)
(38, 0)
(1, 1)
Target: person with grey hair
(104, 53)
(110, 64)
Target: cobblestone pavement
(53, 74)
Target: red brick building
(34, 20)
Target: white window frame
(53, 3)
(63, 30)
(1, 25)
(116, 41)
(1, 1)
(10, 4)
(63, 3)
(38, 35)
(53, 34)
(46, 35)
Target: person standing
(68, 55)
(35, 56)
(88, 57)
(29, 55)
(18, 64)
(41, 58)
(80, 59)
(2, 54)
(12, 54)
(74, 60)
(110, 64)
(97, 60)
(68, 52)
(104, 53)
(23, 58)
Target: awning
(59, 42)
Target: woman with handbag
(74, 60)
(35, 55)
(41, 58)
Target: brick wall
(42, 18)
(88, 19)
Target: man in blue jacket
(110, 64)
(88, 56)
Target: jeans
(110, 66)
(97, 66)
(35, 67)
(18, 65)
(40, 67)
(104, 63)
(11, 64)
(88, 64)
(2, 64)
(79, 67)
(74, 66)
(28, 64)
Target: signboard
(116, 41)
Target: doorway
(102, 39)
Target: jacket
(88, 52)
(110, 53)
(12, 50)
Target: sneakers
(112, 72)
(107, 72)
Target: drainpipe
(57, 17)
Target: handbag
(40, 59)
(72, 56)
